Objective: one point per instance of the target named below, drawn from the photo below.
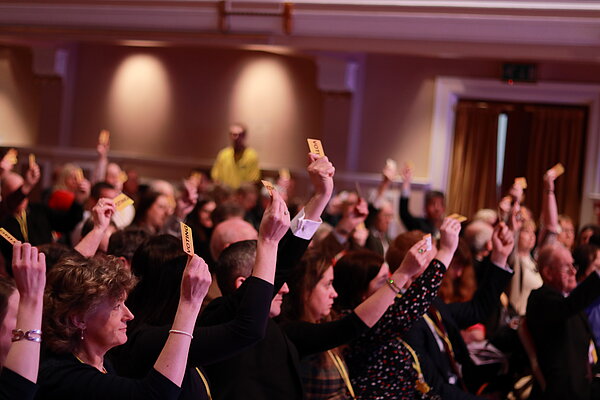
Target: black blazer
(270, 368)
(412, 223)
(561, 334)
(455, 317)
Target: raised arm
(172, 360)
(275, 223)
(101, 215)
(29, 270)
(102, 162)
(321, 172)
(410, 306)
(550, 224)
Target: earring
(82, 334)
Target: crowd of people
(286, 298)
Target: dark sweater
(13, 386)
(63, 377)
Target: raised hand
(321, 171)
(276, 219)
(549, 178)
(503, 241)
(416, 260)
(195, 281)
(83, 191)
(102, 213)
(448, 240)
(29, 270)
(31, 178)
(188, 199)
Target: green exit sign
(512, 72)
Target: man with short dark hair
(435, 208)
(559, 327)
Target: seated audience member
(123, 244)
(478, 235)
(34, 223)
(230, 231)
(347, 234)
(159, 263)
(199, 219)
(247, 196)
(448, 367)
(273, 360)
(99, 190)
(486, 215)
(587, 260)
(71, 186)
(587, 232)
(226, 210)
(237, 163)
(378, 223)
(85, 316)
(311, 298)
(566, 233)
(21, 316)
(559, 327)
(381, 364)
(152, 212)
(54, 252)
(435, 207)
(526, 277)
(459, 283)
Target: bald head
(228, 232)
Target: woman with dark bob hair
(21, 320)
(158, 263)
(370, 291)
(85, 316)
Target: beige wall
(181, 102)
(19, 100)
(196, 94)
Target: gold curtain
(557, 135)
(473, 171)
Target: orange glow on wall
(140, 103)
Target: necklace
(101, 369)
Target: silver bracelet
(34, 335)
(181, 333)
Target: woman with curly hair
(85, 316)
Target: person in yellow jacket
(237, 163)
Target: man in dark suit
(435, 207)
(436, 338)
(559, 327)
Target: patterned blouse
(380, 365)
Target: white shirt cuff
(507, 268)
(304, 228)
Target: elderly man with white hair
(559, 328)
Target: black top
(412, 223)
(41, 221)
(562, 336)
(63, 377)
(14, 386)
(455, 317)
(135, 358)
(270, 368)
